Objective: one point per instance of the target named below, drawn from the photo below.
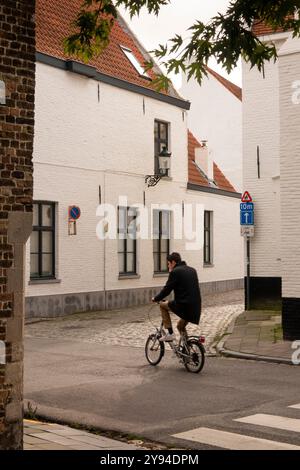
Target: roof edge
(220, 192)
(85, 70)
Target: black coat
(183, 280)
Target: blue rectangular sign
(247, 206)
(247, 218)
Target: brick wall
(17, 71)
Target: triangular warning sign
(246, 197)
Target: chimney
(203, 158)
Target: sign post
(74, 214)
(247, 230)
(248, 276)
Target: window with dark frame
(42, 241)
(127, 244)
(161, 240)
(208, 237)
(161, 140)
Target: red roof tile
(195, 176)
(234, 89)
(53, 24)
(259, 28)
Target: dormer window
(212, 183)
(133, 60)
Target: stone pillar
(289, 92)
(17, 79)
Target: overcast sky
(177, 18)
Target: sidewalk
(257, 335)
(47, 436)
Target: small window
(161, 240)
(161, 140)
(2, 92)
(133, 60)
(208, 237)
(42, 241)
(127, 240)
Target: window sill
(166, 178)
(166, 274)
(43, 281)
(208, 265)
(128, 276)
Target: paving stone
(29, 447)
(47, 436)
(84, 447)
(130, 327)
(99, 441)
(68, 432)
(234, 345)
(28, 439)
(44, 427)
(51, 446)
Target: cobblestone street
(130, 327)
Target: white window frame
(134, 61)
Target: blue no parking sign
(74, 212)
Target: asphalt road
(114, 388)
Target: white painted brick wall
(76, 139)
(289, 72)
(261, 127)
(216, 116)
(113, 133)
(80, 257)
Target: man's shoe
(168, 337)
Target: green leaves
(134, 6)
(226, 37)
(161, 82)
(94, 22)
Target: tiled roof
(234, 89)
(196, 176)
(53, 24)
(261, 29)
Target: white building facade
(216, 116)
(95, 141)
(271, 175)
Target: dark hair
(174, 257)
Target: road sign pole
(247, 230)
(248, 276)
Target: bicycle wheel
(195, 361)
(154, 350)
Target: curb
(44, 415)
(254, 357)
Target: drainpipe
(104, 249)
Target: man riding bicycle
(183, 280)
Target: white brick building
(97, 132)
(216, 116)
(271, 175)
